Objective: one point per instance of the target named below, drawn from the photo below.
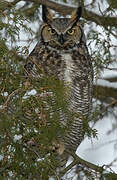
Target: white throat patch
(68, 67)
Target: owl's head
(61, 33)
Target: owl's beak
(61, 39)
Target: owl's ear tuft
(75, 16)
(47, 15)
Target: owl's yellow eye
(71, 31)
(52, 31)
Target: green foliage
(27, 131)
(28, 117)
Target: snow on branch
(65, 9)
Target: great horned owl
(62, 52)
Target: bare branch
(93, 167)
(67, 9)
(88, 15)
(103, 92)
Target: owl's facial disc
(61, 33)
(51, 36)
(64, 39)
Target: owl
(62, 52)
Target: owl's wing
(31, 67)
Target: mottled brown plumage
(62, 53)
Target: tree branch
(96, 168)
(88, 15)
(104, 92)
(4, 5)
(10, 96)
(67, 9)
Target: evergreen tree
(26, 128)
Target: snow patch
(106, 83)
